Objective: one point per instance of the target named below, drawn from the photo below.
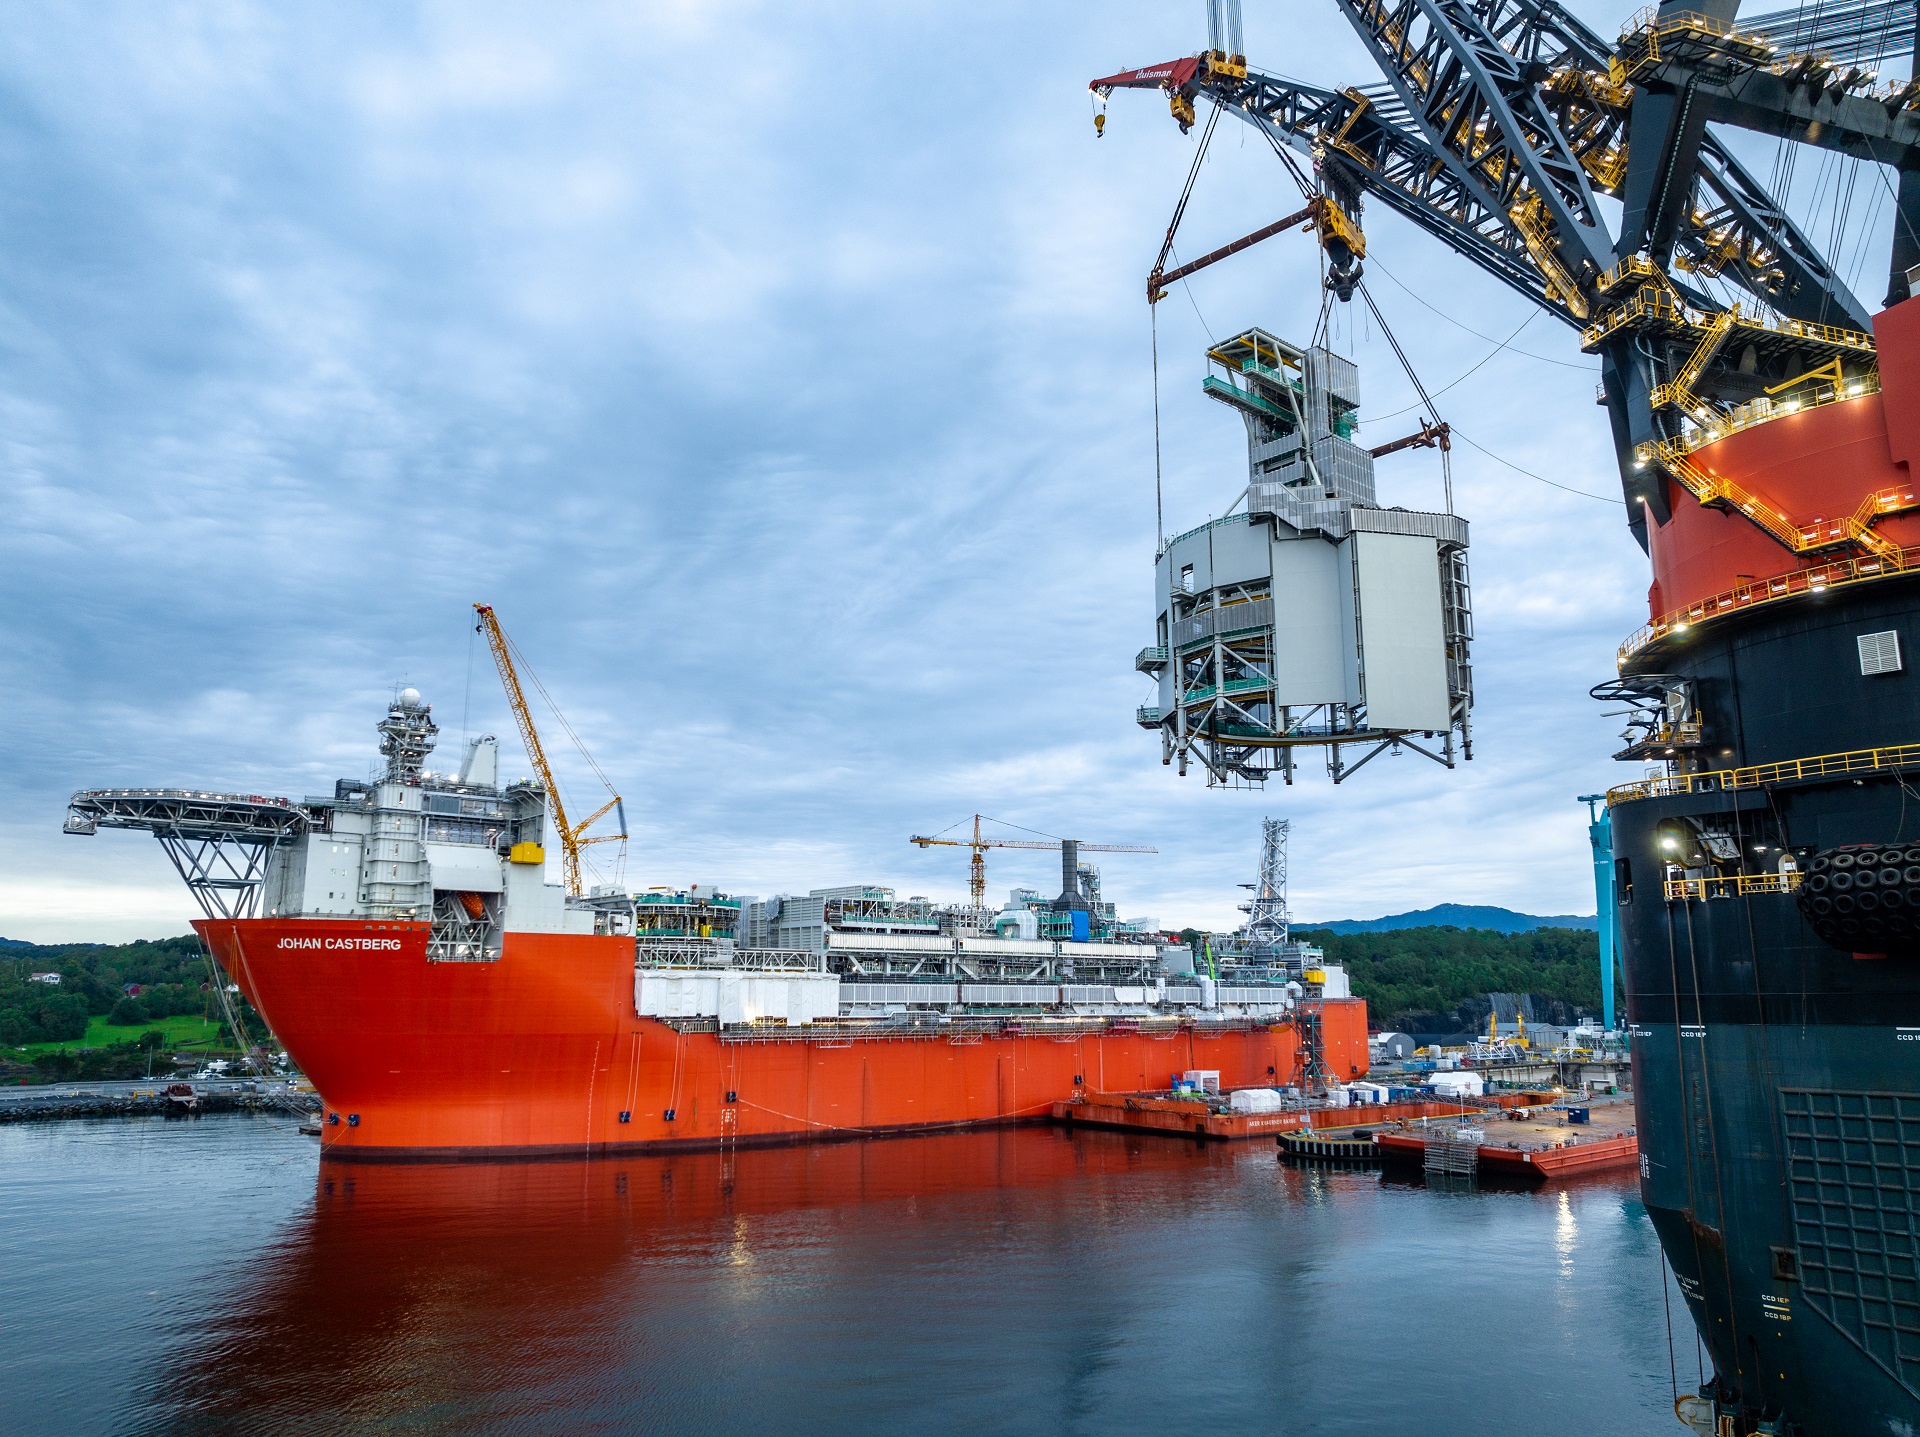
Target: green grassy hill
(183, 1032)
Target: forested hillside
(92, 981)
(1436, 979)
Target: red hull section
(541, 1052)
(1814, 465)
(1817, 464)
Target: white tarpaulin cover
(736, 998)
(1254, 1100)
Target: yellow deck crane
(977, 869)
(572, 835)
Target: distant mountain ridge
(1457, 915)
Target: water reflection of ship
(480, 1290)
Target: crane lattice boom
(977, 868)
(572, 838)
(1502, 123)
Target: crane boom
(977, 869)
(1028, 843)
(571, 840)
(1503, 122)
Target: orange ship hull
(542, 1053)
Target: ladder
(1314, 1077)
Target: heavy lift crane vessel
(1768, 904)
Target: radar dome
(409, 699)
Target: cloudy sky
(782, 375)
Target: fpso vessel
(402, 941)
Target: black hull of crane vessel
(1766, 871)
(1774, 1073)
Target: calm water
(213, 1276)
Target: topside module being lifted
(1312, 617)
(1766, 423)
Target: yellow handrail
(1798, 537)
(1765, 409)
(1833, 574)
(1738, 886)
(1656, 299)
(1831, 765)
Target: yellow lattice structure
(1530, 217)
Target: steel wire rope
(527, 670)
(1876, 59)
(1186, 288)
(1866, 228)
(1786, 838)
(540, 688)
(1153, 310)
(1497, 349)
(991, 819)
(1760, 1002)
(1666, 1306)
(1159, 503)
(1417, 299)
(1680, 1074)
(466, 702)
(1307, 190)
(1879, 169)
(1830, 162)
(1600, 498)
(1433, 410)
(1713, 1142)
(1186, 190)
(1846, 177)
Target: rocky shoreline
(53, 1107)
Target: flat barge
(1210, 1119)
(1546, 1144)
